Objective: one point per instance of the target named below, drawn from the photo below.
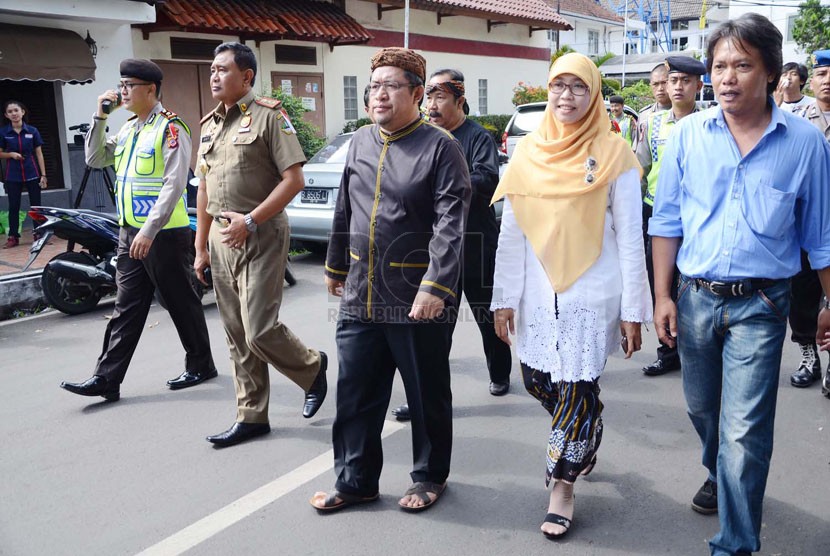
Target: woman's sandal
(330, 503)
(421, 490)
(557, 519)
(589, 467)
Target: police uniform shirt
(399, 222)
(818, 118)
(176, 150)
(243, 153)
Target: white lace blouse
(570, 334)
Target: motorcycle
(75, 281)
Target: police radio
(107, 105)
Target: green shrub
(637, 95)
(355, 125)
(524, 93)
(494, 123)
(308, 134)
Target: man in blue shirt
(742, 214)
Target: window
(593, 42)
(350, 97)
(300, 55)
(790, 25)
(482, 97)
(192, 49)
(681, 43)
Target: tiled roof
(307, 20)
(586, 7)
(526, 12)
(680, 10)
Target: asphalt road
(79, 477)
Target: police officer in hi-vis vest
(151, 155)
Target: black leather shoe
(317, 393)
(825, 384)
(809, 370)
(401, 413)
(239, 432)
(706, 500)
(95, 386)
(188, 379)
(499, 388)
(661, 367)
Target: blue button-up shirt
(744, 217)
(24, 143)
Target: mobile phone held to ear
(107, 105)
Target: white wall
(778, 15)
(610, 34)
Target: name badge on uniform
(206, 138)
(29, 136)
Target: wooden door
(308, 87)
(186, 91)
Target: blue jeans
(730, 349)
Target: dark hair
(414, 81)
(800, 68)
(660, 66)
(366, 92)
(243, 56)
(616, 99)
(752, 30)
(454, 75)
(22, 107)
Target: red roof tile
(307, 20)
(527, 12)
(586, 7)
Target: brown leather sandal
(421, 490)
(330, 504)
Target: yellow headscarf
(560, 209)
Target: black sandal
(330, 504)
(557, 519)
(421, 489)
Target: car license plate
(38, 245)
(313, 196)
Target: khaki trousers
(248, 283)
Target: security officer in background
(806, 287)
(151, 155)
(685, 80)
(250, 167)
(628, 127)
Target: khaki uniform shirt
(100, 153)
(243, 153)
(813, 113)
(399, 223)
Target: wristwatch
(249, 223)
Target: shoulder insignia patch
(208, 116)
(268, 102)
(287, 126)
(172, 137)
(169, 115)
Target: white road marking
(238, 510)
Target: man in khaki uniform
(250, 167)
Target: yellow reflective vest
(139, 174)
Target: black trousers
(664, 351)
(166, 267)
(806, 295)
(476, 284)
(369, 353)
(14, 189)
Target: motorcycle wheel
(66, 295)
(289, 275)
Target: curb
(20, 291)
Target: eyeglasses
(577, 89)
(389, 86)
(128, 85)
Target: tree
(811, 28)
(307, 134)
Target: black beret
(616, 99)
(685, 64)
(141, 69)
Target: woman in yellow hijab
(570, 277)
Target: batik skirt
(576, 427)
